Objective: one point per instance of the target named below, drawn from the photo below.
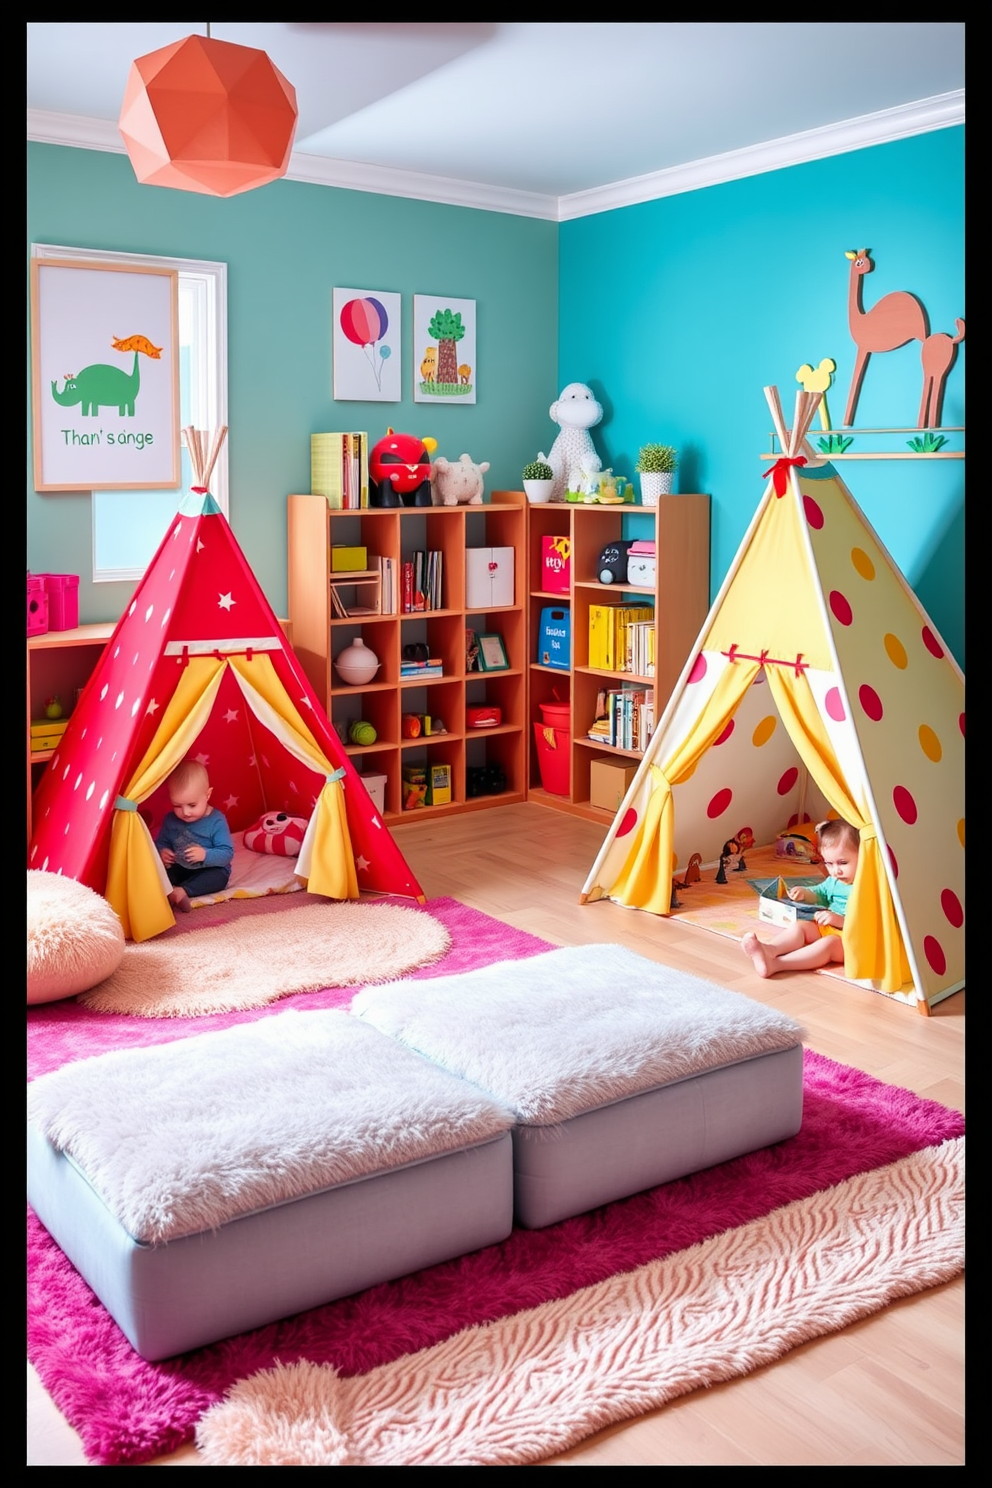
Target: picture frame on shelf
(492, 654)
(471, 651)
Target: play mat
(252, 875)
(731, 909)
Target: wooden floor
(888, 1391)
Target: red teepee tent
(198, 667)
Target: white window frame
(203, 295)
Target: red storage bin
(37, 605)
(556, 715)
(552, 758)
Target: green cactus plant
(659, 459)
(538, 470)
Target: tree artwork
(444, 349)
(447, 330)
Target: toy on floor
(277, 833)
(798, 841)
(692, 874)
(735, 848)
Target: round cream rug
(260, 958)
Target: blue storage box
(554, 637)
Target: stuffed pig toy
(458, 484)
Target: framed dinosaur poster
(105, 376)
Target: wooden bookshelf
(320, 634)
(680, 526)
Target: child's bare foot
(179, 899)
(758, 953)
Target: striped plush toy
(275, 832)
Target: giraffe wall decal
(891, 322)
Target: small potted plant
(538, 479)
(656, 465)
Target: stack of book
(624, 718)
(621, 638)
(420, 671)
(421, 582)
(339, 469)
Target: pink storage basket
(37, 605)
(63, 600)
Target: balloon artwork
(365, 322)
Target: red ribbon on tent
(780, 471)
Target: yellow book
(326, 468)
(598, 622)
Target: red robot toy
(400, 470)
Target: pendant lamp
(208, 116)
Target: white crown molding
(939, 112)
(81, 133)
(352, 175)
(76, 130)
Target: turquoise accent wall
(286, 246)
(678, 312)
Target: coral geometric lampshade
(209, 116)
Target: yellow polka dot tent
(818, 683)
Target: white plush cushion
(74, 937)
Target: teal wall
(286, 246)
(679, 311)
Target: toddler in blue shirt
(194, 841)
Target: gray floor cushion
(220, 1182)
(622, 1072)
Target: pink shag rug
(129, 1411)
(518, 1390)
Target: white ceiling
(543, 118)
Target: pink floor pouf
(74, 937)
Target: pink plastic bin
(63, 600)
(37, 605)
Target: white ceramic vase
(655, 483)
(538, 491)
(357, 663)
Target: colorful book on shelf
(610, 640)
(339, 469)
(422, 581)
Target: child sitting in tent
(194, 840)
(809, 944)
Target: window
(127, 526)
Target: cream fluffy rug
(518, 1390)
(260, 958)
